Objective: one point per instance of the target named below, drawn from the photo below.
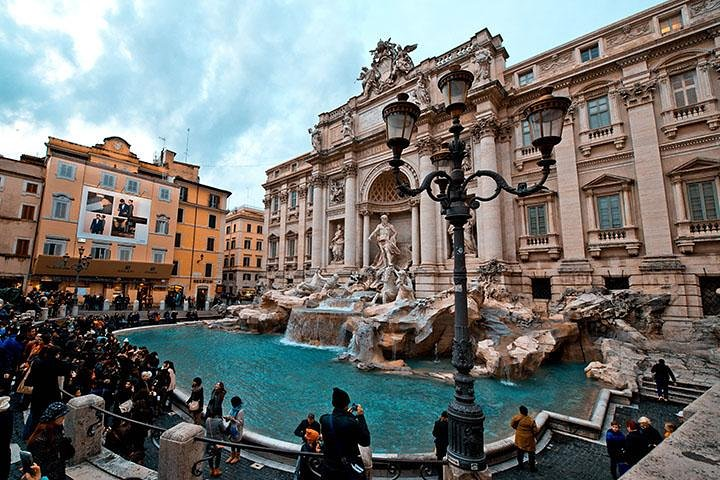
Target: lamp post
(545, 116)
(82, 264)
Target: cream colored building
(243, 268)
(633, 201)
(21, 189)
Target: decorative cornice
(606, 159)
(690, 142)
(638, 93)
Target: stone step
(675, 388)
(674, 397)
(87, 471)
(693, 386)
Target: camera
(354, 407)
(26, 459)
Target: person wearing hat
(310, 444)
(649, 433)
(48, 444)
(342, 433)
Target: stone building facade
(21, 189)
(243, 268)
(632, 202)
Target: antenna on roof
(187, 144)
(160, 159)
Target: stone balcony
(525, 154)
(689, 233)
(624, 237)
(614, 133)
(701, 112)
(545, 244)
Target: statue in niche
(337, 192)
(315, 138)
(386, 237)
(420, 94)
(470, 240)
(405, 292)
(337, 245)
(347, 125)
(482, 59)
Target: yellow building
(21, 189)
(243, 267)
(199, 237)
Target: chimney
(168, 156)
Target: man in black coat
(342, 433)
(635, 445)
(310, 423)
(440, 432)
(662, 374)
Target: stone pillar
(649, 170)
(162, 305)
(365, 234)
(80, 417)
(489, 220)
(186, 305)
(136, 306)
(350, 172)
(704, 82)
(62, 311)
(451, 472)
(318, 182)
(415, 227)
(75, 310)
(179, 451)
(679, 200)
(44, 314)
(428, 209)
(282, 243)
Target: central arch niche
(383, 199)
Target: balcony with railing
(623, 237)
(691, 232)
(701, 112)
(524, 154)
(613, 133)
(548, 244)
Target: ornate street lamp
(82, 264)
(546, 116)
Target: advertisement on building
(113, 216)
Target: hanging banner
(112, 216)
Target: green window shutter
(695, 202)
(710, 198)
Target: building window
(226, 262)
(66, 171)
(588, 53)
(232, 260)
(183, 194)
(293, 167)
(259, 229)
(31, 187)
(101, 252)
(702, 200)
(308, 243)
(227, 230)
(125, 254)
(247, 243)
(537, 220)
(273, 248)
(617, 283)
(248, 228)
(541, 288)
(60, 208)
(599, 112)
(54, 247)
(178, 239)
(258, 245)
(683, 86)
(164, 194)
(214, 201)
(246, 276)
(210, 244)
(180, 215)
(671, 24)
(132, 185)
(275, 204)
(162, 225)
(293, 199)
(609, 212)
(232, 243)
(158, 256)
(526, 137)
(107, 180)
(526, 78)
(208, 269)
(291, 242)
(175, 268)
(258, 262)
(22, 247)
(2, 183)
(246, 261)
(230, 276)
(27, 212)
(212, 221)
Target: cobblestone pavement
(565, 457)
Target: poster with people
(113, 216)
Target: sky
(246, 77)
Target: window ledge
(705, 111)
(623, 237)
(613, 133)
(691, 232)
(533, 244)
(525, 154)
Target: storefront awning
(56, 266)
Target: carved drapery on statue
(390, 62)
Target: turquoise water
(280, 383)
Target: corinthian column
(414, 226)
(366, 233)
(428, 209)
(489, 220)
(319, 183)
(350, 172)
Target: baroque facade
(632, 202)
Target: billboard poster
(113, 217)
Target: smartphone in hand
(27, 461)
